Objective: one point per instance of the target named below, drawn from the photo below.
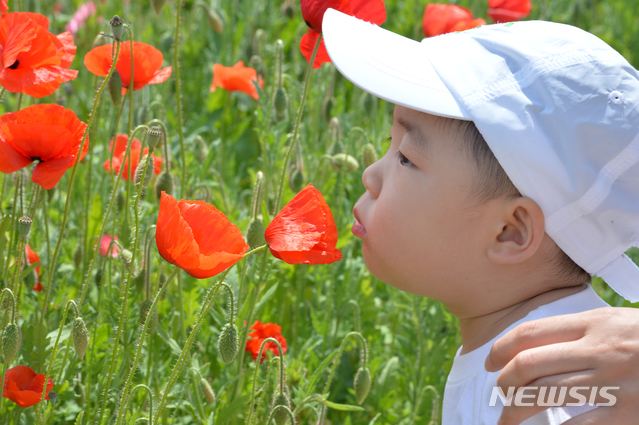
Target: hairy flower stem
(77, 159)
(11, 320)
(125, 294)
(165, 135)
(116, 182)
(136, 358)
(298, 120)
(275, 409)
(14, 231)
(257, 370)
(148, 390)
(178, 95)
(52, 356)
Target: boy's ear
(519, 231)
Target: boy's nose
(372, 179)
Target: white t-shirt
(469, 386)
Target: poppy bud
(119, 201)
(157, 5)
(257, 63)
(80, 335)
(145, 306)
(201, 148)
(24, 226)
(227, 343)
(139, 282)
(255, 233)
(296, 180)
(117, 27)
(215, 20)
(362, 384)
(115, 87)
(126, 257)
(148, 175)
(280, 102)
(209, 395)
(100, 40)
(164, 183)
(80, 392)
(77, 257)
(280, 416)
(367, 101)
(10, 342)
(153, 137)
(327, 108)
(53, 396)
(347, 162)
(369, 154)
(338, 147)
(141, 421)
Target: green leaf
(39, 354)
(78, 419)
(265, 298)
(175, 348)
(318, 372)
(342, 407)
(28, 270)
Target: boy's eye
(403, 160)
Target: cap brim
(622, 275)
(387, 65)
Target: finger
(514, 415)
(536, 363)
(534, 334)
(605, 415)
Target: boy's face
(421, 233)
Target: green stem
(123, 311)
(300, 111)
(77, 159)
(178, 95)
(148, 390)
(257, 369)
(165, 135)
(363, 355)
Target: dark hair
(492, 183)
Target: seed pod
(362, 384)
(98, 278)
(280, 416)
(117, 27)
(77, 257)
(342, 160)
(164, 183)
(296, 180)
(145, 306)
(157, 5)
(24, 226)
(147, 176)
(119, 201)
(153, 137)
(369, 155)
(100, 40)
(327, 108)
(11, 342)
(80, 335)
(115, 88)
(227, 343)
(287, 9)
(367, 101)
(215, 20)
(280, 102)
(255, 233)
(209, 394)
(126, 257)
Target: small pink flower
(106, 248)
(80, 16)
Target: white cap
(558, 107)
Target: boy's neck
(477, 331)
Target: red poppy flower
(118, 152)
(445, 18)
(107, 248)
(304, 232)
(236, 78)
(47, 133)
(196, 237)
(259, 334)
(33, 258)
(508, 10)
(372, 11)
(24, 387)
(4, 7)
(34, 61)
(147, 61)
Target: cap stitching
(598, 191)
(528, 74)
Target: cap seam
(527, 75)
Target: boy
(512, 176)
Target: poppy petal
(98, 61)
(48, 173)
(307, 44)
(11, 159)
(161, 75)
(313, 11)
(69, 48)
(373, 11)
(18, 37)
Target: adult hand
(596, 348)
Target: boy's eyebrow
(416, 134)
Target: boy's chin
(377, 269)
